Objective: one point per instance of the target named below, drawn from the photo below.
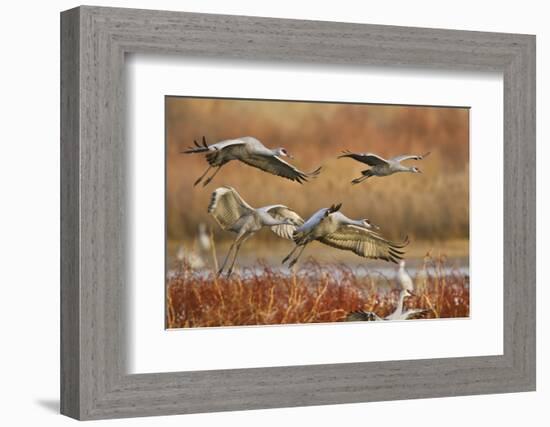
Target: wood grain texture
(70, 291)
(95, 274)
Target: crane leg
(205, 183)
(242, 240)
(291, 263)
(360, 179)
(367, 173)
(202, 176)
(286, 258)
(227, 256)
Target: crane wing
(204, 147)
(228, 143)
(362, 315)
(367, 158)
(227, 206)
(279, 167)
(413, 312)
(410, 157)
(281, 212)
(313, 221)
(365, 243)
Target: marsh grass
(315, 293)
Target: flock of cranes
(328, 225)
(253, 153)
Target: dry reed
(314, 294)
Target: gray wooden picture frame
(94, 41)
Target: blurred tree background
(429, 207)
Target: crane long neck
(402, 168)
(400, 302)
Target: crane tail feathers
(198, 148)
(302, 177)
(334, 208)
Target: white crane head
(282, 152)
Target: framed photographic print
(294, 213)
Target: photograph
(302, 212)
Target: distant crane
(203, 238)
(407, 290)
(381, 166)
(333, 228)
(232, 213)
(193, 259)
(403, 278)
(397, 314)
(251, 152)
(362, 316)
(422, 274)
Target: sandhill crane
(203, 238)
(404, 279)
(362, 316)
(331, 227)
(251, 152)
(381, 166)
(232, 213)
(397, 314)
(189, 257)
(422, 275)
(407, 314)
(407, 289)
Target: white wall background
(29, 214)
